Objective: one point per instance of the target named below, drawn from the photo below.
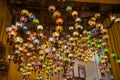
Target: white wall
(90, 69)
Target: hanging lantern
(59, 20)
(25, 27)
(32, 16)
(51, 8)
(56, 14)
(8, 29)
(12, 33)
(74, 13)
(118, 61)
(75, 33)
(71, 28)
(78, 26)
(69, 8)
(113, 54)
(40, 27)
(36, 41)
(23, 19)
(25, 11)
(19, 24)
(97, 15)
(59, 28)
(36, 21)
(78, 19)
(56, 34)
(19, 39)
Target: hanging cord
(115, 45)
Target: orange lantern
(59, 20)
(74, 13)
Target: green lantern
(99, 45)
(113, 54)
(93, 43)
(48, 67)
(118, 61)
(100, 40)
(36, 21)
(89, 41)
(106, 50)
(69, 8)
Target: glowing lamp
(106, 50)
(56, 14)
(74, 13)
(59, 28)
(17, 51)
(71, 28)
(19, 24)
(36, 41)
(19, 39)
(97, 15)
(78, 19)
(32, 16)
(8, 29)
(69, 8)
(78, 26)
(12, 33)
(59, 20)
(56, 34)
(51, 39)
(25, 27)
(113, 54)
(25, 11)
(51, 8)
(118, 61)
(75, 33)
(23, 19)
(40, 27)
(36, 21)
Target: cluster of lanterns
(50, 54)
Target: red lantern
(59, 20)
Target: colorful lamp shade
(59, 20)
(31, 16)
(40, 27)
(74, 13)
(36, 21)
(69, 8)
(59, 28)
(118, 61)
(23, 19)
(97, 15)
(56, 34)
(75, 33)
(78, 19)
(71, 28)
(56, 14)
(8, 29)
(52, 8)
(12, 33)
(19, 24)
(25, 27)
(113, 54)
(25, 11)
(19, 39)
(36, 41)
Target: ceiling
(40, 9)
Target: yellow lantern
(59, 28)
(56, 34)
(56, 14)
(74, 13)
